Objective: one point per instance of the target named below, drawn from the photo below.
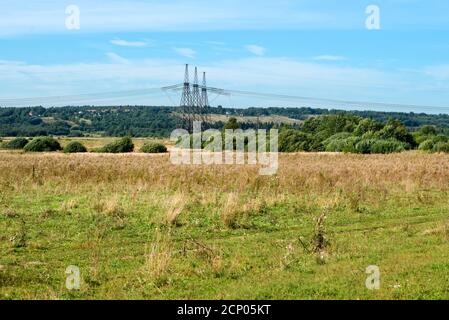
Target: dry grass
(298, 173)
(175, 206)
(231, 210)
(158, 257)
(69, 205)
(111, 206)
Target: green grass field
(139, 227)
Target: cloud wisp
(327, 57)
(186, 52)
(255, 49)
(115, 58)
(125, 43)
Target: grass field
(139, 227)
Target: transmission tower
(204, 101)
(196, 97)
(194, 104)
(186, 103)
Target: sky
(325, 49)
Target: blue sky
(318, 49)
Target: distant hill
(153, 121)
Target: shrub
(294, 141)
(152, 147)
(338, 136)
(123, 145)
(395, 130)
(341, 143)
(365, 146)
(440, 138)
(428, 130)
(43, 144)
(389, 146)
(426, 145)
(75, 147)
(367, 125)
(441, 147)
(15, 144)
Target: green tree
(232, 124)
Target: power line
(72, 99)
(194, 101)
(332, 103)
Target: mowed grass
(139, 227)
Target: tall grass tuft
(176, 207)
(158, 257)
(230, 212)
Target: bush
(428, 130)
(395, 130)
(43, 144)
(367, 125)
(389, 146)
(75, 147)
(341, 142)
(152, 147)
(123, 145)
(440, 138)
(294, 141)
(426, 145)
(365, 146)
(15, 144)
(441, 147)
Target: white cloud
(11, 62)
(255, 49)
(186, 52)
(117, 58)
(329, 58)
(125, 43)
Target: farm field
(139, 227)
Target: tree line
(160, 121)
